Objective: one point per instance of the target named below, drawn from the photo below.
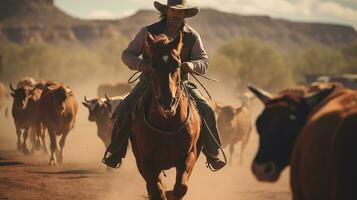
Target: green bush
(251, 61)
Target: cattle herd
(312, 129)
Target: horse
(166, 124)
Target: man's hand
(187, 67)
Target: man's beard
(175, 21)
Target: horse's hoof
(180, 190)
(171, 196)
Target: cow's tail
(245, 142)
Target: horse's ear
(150, 40)
(177, 42)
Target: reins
(166, 132)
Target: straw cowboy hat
(177, 4)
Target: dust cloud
(83, 176)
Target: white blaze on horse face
(165, 58)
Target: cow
(234, 126)
(100, 112)
(36, 126)
(20, 114)
(58, 113)
(4, 94)
(118, 89)
(316, 135)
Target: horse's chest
(165, 148)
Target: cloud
(296, 9)
(306, 10)
(266, 7)
(101, 14)
(332, 8)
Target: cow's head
(21, 96)
(278, 126)
(226, 116)
(97, 109)
(60, 94)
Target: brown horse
(166, 125)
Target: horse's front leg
(183, 173)
(154, 185)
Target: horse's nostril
(268, 168)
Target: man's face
(175, 17)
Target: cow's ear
(13, 94)
(85, 104)
(315, 98)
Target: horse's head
(165, 74)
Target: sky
(328, 11)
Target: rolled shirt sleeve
(199, 57)
(130, 55)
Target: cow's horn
(85, 99)
(264, 96)
(315, 98)
(12, 88)
(106, 96)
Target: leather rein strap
(165, 132)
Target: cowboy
(194, 59)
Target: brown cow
(118, 89)
(3, 95)
(100, 112)
(20, 113)
(316, 135)
(58, 113)
(36, 126)
(234, 125)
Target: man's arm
(199, 59)
(130, 55)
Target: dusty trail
(83, 176)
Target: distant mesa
(26, 21)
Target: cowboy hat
(177, 4)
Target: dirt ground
(83, 176)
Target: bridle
(180, 92)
